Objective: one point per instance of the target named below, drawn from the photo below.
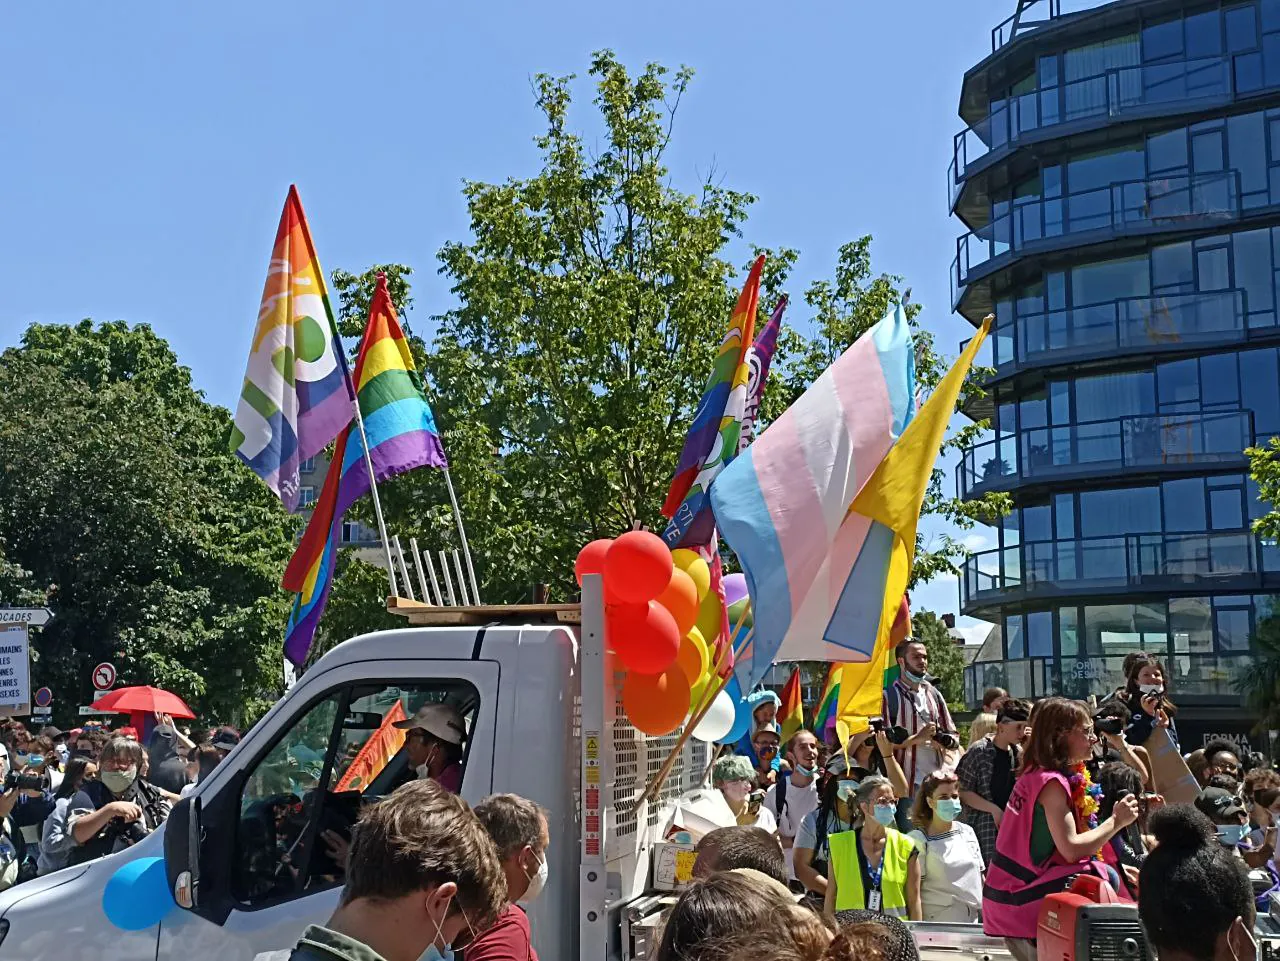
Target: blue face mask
(886, 814)
(912, 677)
(947, 808)
(804, 771)
(845, 790)
(435, 954)
(1232, 834)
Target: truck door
(269, 867)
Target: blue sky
(149, 145)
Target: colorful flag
(402, 435)
(376, 753)
(712, 441)
(782, 504)
(824, 715)
(885, 513)
(791, 713)
(759, 357)
(296, 396)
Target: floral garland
(1085, 798)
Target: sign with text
(26, 616)
(15, 670)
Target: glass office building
(1119, 182)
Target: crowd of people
(72, 796)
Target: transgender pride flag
(782, 506)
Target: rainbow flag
(296, 396)
(824, 715)
(791, 713)
(402, 435)
(712, 441)
(376, 753)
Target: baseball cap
(224, 739)
(769, 727)
(1218, 803)
(439, 720)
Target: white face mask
(117, 782)
(424, 769)
(538, 881)
(1151, 688)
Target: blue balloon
(137, 896)
(742, 713)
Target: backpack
(780, 794)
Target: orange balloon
(591, 558)
(693, 655)
(642, 636)
(681, 599)
(637, 567)
(656, 703)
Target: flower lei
(1085, 798)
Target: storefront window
(1191, 625)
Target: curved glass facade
(1132, 261)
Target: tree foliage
(946, 662)
(121, 506)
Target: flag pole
(462, 537)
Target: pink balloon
(735, 589)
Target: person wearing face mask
(795, 794)
(734, 778)
(422, 874)
(433, 744)
(874, 867)
(1146, 697)
(913, 703)
(1229, 817)
(1194, 898)
(118, 809)
(836, 812)
(950, 858)
(519, 831)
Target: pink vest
(1016, 885)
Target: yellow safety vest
(847, 872)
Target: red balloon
(591, 558)
(637, 567)
(656, 703)
(644, 637)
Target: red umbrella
(143, 700)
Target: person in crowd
(913, 703)
(88, 743)
(1221, 757)
(729, 915)
(167, 752)
(836, 812)
(987, 771)
(1226, 783)
(985, 723)
(874, 866)
(1264, 812)
(795, 795)
(950, 858)
(422, 872)
(224, 739)
(116, 810)
(727, 849)
(1194, 899)
(870, 936)
(433, 743)
(1113, 747)
(1231, 823)
(1046, 833)
(1145, 697)
(42, 759)
(128, 731)
(1127, 849)
(200, 764)
(764, 706)
(35, 804)
(765, 743)
(521, 835)
(56, 841)
(734, 778)
(1197, 765)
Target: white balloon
(718, 721)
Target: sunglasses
(766, 749)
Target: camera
(946, 739)
(896, 735)
(1107, 724)
(26, 782)
(133, 832)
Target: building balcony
(1034, 15)
(1194, 561)
(1199, 677)
(1155, 443)
(1117, 95)
(1130, 207)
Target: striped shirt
(917, 708)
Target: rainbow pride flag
(824, 715)
(402, 435)
(791, 712)
(295, 396)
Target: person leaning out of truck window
(520, 832)
(433, 744)
(735, 779)
(950, 858)
(422, 873)
(874, 866)
(56, 841)
(119, 808)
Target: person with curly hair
(735, 779)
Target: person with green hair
(735, 778)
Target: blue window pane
(1233, 629)
(1064, 516)
(1184, 505)
(1204, 35)
(1219, 381)
(1113, 513)
(1161, 41)
(1068, 630)
(1214, 268)
(1226, 510)
(1039, 634)
(1271, 60)
(1104, 168)
(1206, 152)
(1110, 280)
(1035, 523)
(1247, 146)
(1270, 15)
(1260, 386)
(1167, 152)
(1107, 396)
(1248, 69)
(1178, 386)
(1171, 268)
(1015, 644)
(1242, 30)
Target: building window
(307, 466)
(306, 495)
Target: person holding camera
(913, 703)
(117, 810)
(1146, 696)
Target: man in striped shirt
(911, 702)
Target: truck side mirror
(182, 852)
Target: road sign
(15, 670)
(94, 710)
(42, 712)
(27, 616)
(104, 676)
(44, 697)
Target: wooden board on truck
(420, 614)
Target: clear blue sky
(149, 145)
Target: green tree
(946, 663)
(121, 505)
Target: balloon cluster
(659, 612)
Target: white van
(543, 721)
